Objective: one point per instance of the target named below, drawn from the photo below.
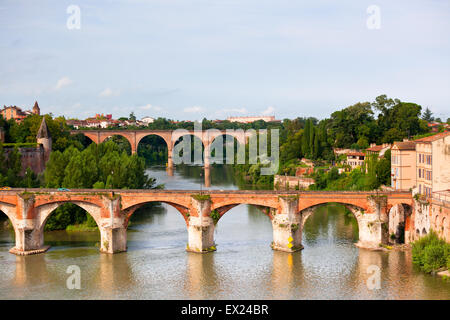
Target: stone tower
(36, 109)
(43, 137)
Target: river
(156, 265)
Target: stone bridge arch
(399, 219)
(266, 205)
(44, 211)
(237, 136)
(165, 135)
(130, 210)
(10, 211)
(371, 231)
(355, 210)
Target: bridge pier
(169, 159)
(113, 240)
(373, 226)
(201, 226)
(29, 234)
(29, 240)
(287, 226)
(113, 231)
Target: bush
(431, 253)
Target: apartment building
(355, 159)
(433, 163)
(403, 165)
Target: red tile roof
(375, 148)
(433, 137)
(355, 154)
(405, 145)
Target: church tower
(36, 109)
(43, 137)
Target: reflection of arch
(45, 211)
(129, 211)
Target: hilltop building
(251, 119)
(16, 113)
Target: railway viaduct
(28, 211)
(169, 136)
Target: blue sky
(189, 59)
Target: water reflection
(287, 274)
(114, 274)
(30, 271)
(201, 278)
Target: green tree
(428, 115)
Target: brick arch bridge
(207, 138)
(29, 210)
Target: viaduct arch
(207, 138)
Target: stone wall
(33, 158)
(291, 182)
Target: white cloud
(63, 82)
(269, 111)
(108, 92)
(150, 107)
(193, 109)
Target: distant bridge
(29, 209)
(169, 136)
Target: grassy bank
(431, 253)
(81, 227)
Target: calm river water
(244, 266)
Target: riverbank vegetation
(431, 254)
